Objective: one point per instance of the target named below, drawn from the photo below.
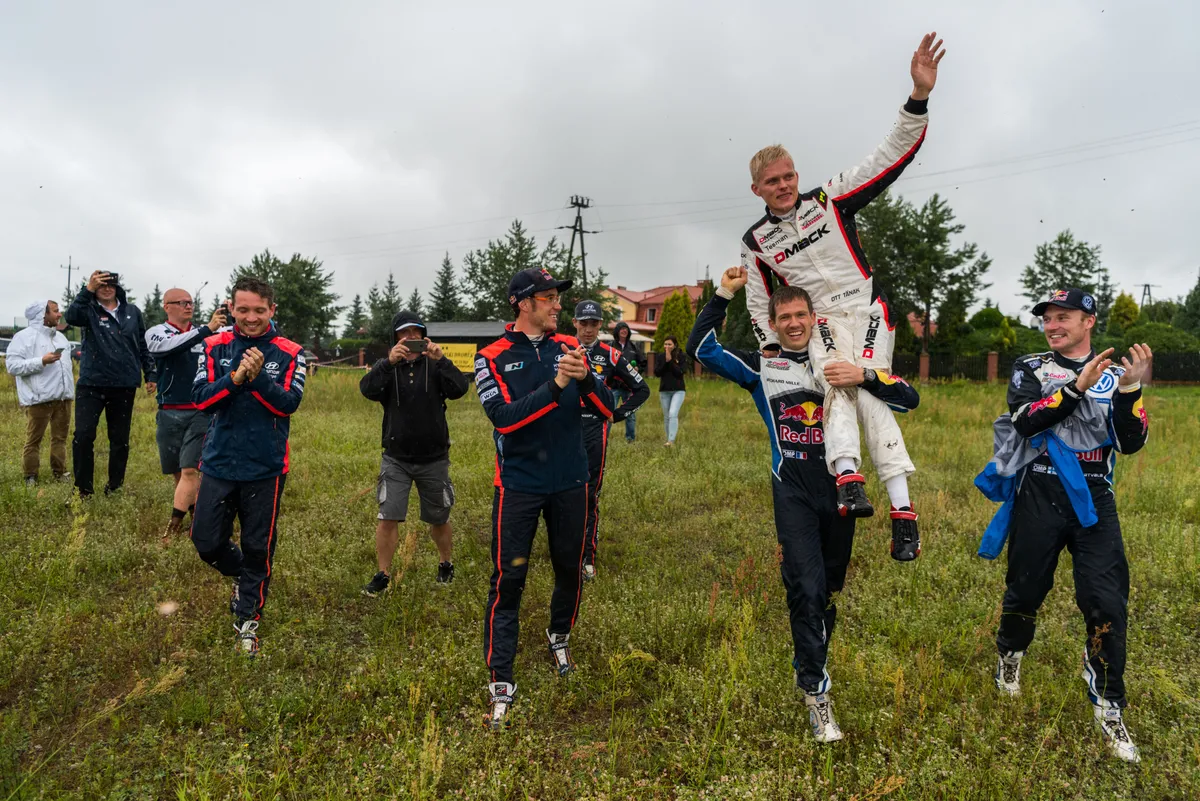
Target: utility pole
(68, 269)
(1146, 299)
(579, 203)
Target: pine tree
(445, 303)
(382, 306)
(356, 319)
(677, 318)
(152, 308)
(415, 304)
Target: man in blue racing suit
(815, 540)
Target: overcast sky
(171, 142)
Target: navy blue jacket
(539, 428)
(114, 351)
(247, 437)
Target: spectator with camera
(115, 361)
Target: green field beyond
(684, 688)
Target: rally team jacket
(1042, 393)
(175, 352)
(615, 371)
(787, 395)
(247, 438)
(818, 249)
(538, 427)
(114, 343)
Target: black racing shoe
(379, 584)
(589, 571)
(445, 572)
(852, 496)
(500, 705)
(561, 653)
(906, 540)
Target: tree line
(920, 260)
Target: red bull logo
(1057, 295)
(807, 413)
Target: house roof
(490, 328)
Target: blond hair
(766, 156)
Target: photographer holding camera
(413, 384)
(115, 360)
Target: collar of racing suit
(789, 217)
(800, 357)
(1073, 364)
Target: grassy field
(684, 688)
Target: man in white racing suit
(810, 240)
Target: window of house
(650, 315)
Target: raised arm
(856, 187)
(1129, 420)
(737, 366)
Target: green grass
(684, 688)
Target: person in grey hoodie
(45, 387)
(115, 359)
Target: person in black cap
(114, 362)
(534, 384)
(611, 368)
(1071, 385)
(413, 384)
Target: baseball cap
(1069, 298)
(588, 310)
(533, 280)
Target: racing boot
(820, 718)
(500, 705)
(1008, 673)
(560, 653)
(1116, 736)
(906, 541)
(852, 496)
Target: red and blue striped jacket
(247, 437)
(539, 428)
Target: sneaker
(560, 653)
(1116, 736)
(379, 584)
(820, 718)
(174, 525)
(31, 481)
(1008, 673)
(852, 496)
(906, 540)
(62, 478)
(109, 491)
(247, 637)
(502, 694)
(589, 571)
(445, 572)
